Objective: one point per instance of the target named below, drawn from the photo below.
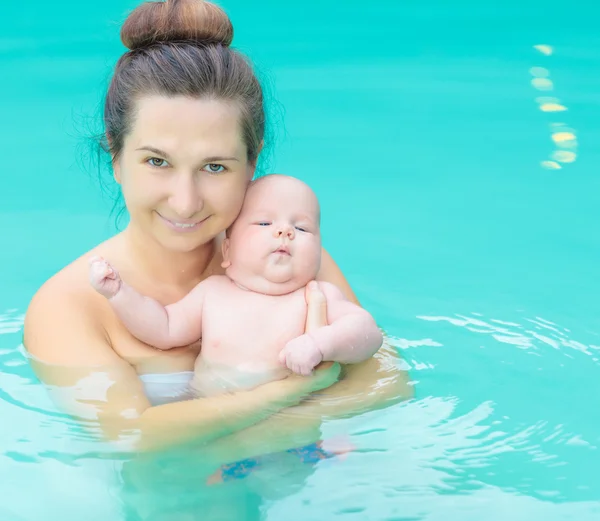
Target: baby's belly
(212, 379)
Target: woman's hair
(177, 48)
(181, 48)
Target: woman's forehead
(172, 123)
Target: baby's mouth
(283, 250)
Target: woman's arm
(330, 272)
(375, 383)
(73, 357)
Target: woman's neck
(171, 268)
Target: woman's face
(183, 170)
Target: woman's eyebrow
(154, 150)
(212, 159)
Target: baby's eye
(301, 229)
(214, 168)
(264, 223)
(157, 162)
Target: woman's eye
(215, 168)
(157, 162)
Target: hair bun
(173, 20)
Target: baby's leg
(206, 381)
(214, 379)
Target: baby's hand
(301, 355)
(104, 278)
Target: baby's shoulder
(216, 282)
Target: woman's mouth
(182, 225)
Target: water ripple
(11, 322)
(520, 335)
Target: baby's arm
(178, 324)
(352, 336)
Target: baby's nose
(285, 231)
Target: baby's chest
(257, 319)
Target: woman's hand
(295, 388)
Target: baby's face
(275, 243)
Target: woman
(184, 123)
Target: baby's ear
(225, 252)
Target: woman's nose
(185, 199)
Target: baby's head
(274, 246)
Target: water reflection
(544, 49)
(486, 427)
(431, 461)
(541, 80)
(126, 484)
(562, 137)
(551, 165)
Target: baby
(252, 319)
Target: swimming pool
(454, 147)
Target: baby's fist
(104, 278)
(301, 355)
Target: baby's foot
(340, 445)
(104, 278)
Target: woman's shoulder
(71, 283)
(331, 273)
(65, 306)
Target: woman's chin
(184, 243)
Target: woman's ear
(117, 171)
(250, 172)
(115, 163)
(252, 166)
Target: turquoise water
(470, 233)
